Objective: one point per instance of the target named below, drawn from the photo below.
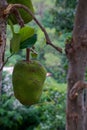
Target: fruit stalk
(28, 54)
(27, 49)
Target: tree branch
(18, 17)
(13, 6)
(74, 92)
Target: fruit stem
(27, 49)
(28, 54)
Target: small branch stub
(74, 92)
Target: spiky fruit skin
(26, 17)
(28, 79)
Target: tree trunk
(3, 5)
(76, 52)
(85, 109)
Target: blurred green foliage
(64, 11)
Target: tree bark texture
(76, 52)
(85, 109)
(3, 5)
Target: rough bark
(3, 5)
(85, 109)
(76, 52)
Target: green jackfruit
(26, 17)
(28, 79)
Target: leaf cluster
(25, 38)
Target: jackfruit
(25, 16)
(28, 79)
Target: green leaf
(28, 43)
(26, 32)
(15, 43)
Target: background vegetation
(49, 114)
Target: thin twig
(6, 61)
(32, 50)
(12, 6)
